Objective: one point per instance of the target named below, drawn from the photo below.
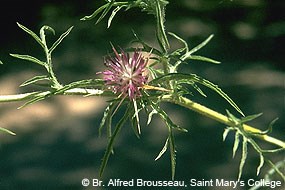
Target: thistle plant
(139, 79)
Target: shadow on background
(57, 143)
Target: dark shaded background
(57, 141)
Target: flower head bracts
(126, 75)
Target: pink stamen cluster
(126, 75)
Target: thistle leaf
(34, 80)
(161, 35)
(196, 87)
(172, 153)
(104, 13)
(236, 144)
(219, 91)
(136, 115)
(107, 114)
(35, 99)
(114, 12)
(269, 130)
(150, 115)
(95, 13)
(202, 58)
(32, 34)
(274, 150)
(7, 131)
(260, 163)
(166, 119)
(163, 150)
(243, 157)
(135, 126)
(181, 40)
(226, 132)
(29, 58)
(198, 47)
(42, 32)
(59, 40)
(187, 78)
(250, 117)
(43, 35)
(111, 142)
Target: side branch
(168, 98)
(16, 97)
(74, 91)
(218, 117)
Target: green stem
(167, 98)
(219, 117)
(74, 91)
(160, 27)
(55, 84)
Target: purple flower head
(126, 75)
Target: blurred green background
(57, 143)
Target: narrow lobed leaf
(270, 127)
(202, 58)
(261, 162)
(105, 12)
(150, 115)
(198, 47)
(163, 150)
(196, 87)
(111, 141)
(268, 130)
(250, 117)
(42, 32)
(34, 80)
(114, 12)
(107, 113)
(236, 144)
(135, 126)
(186, 78)
(172, 153)
(59, 40)
(95, 13)
(274, 150)
(161, 35)
(167, 119)
(226, 132)
(219, 91)
(7, 131)
(32, 34)
(243, 157)
(136, 115)
(29, 58)
(35, 99)
(177, 52)
(138, 106)
(181, 40)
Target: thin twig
(219, 117)
(182, 101)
